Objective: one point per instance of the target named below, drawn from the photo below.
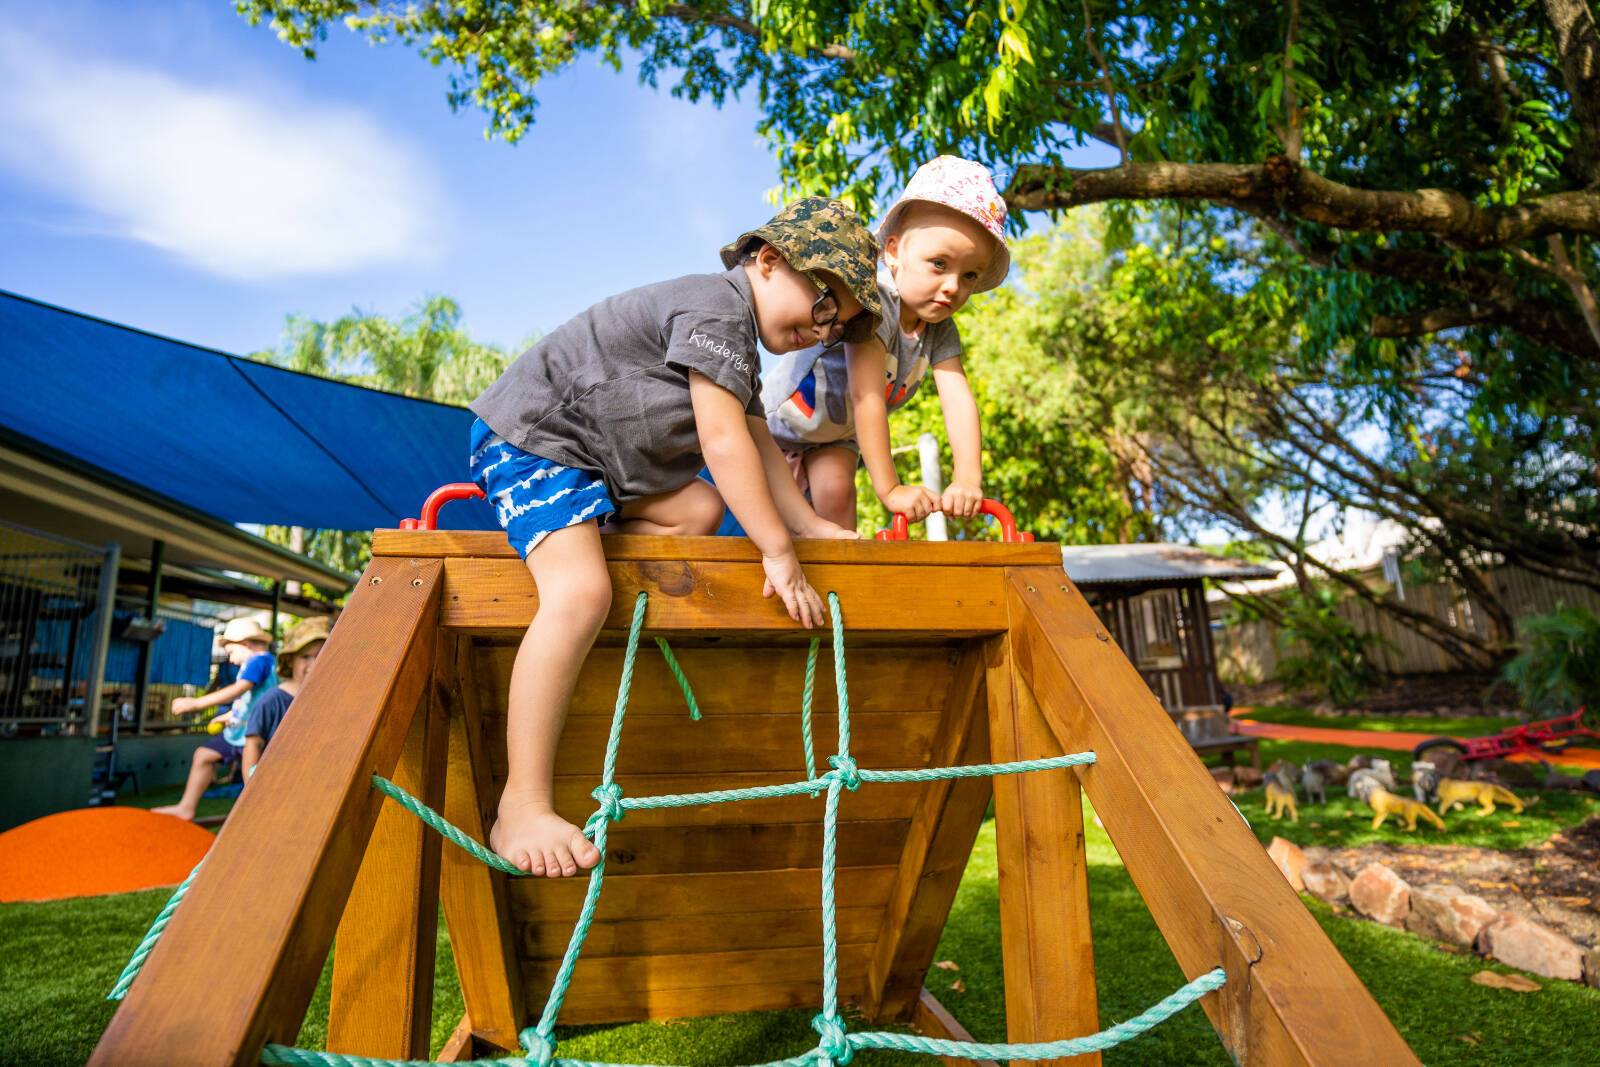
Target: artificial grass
(1469, 726)
(62, 956)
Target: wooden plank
(497, 595)
(883, 800)
(932, 1019)
(493, 545)
(1217, 898)
(1044, 887)
(459, 1047)
(685, 895)
(623, 988)
(695, 849)
(382, 998)
(474, 898)
(726, 932)
(718, 744)
(215, 990)
(937, 846)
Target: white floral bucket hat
(964, 186)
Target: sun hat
(238, 631)
(301, 635)
(816, 234)
(964, 186)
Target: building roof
(1105, 564)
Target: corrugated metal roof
(1097, 564)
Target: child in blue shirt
(611, 417)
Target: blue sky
(167, 166)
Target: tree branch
(1578, 44)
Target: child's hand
(821, 528)
(962, 499)
(785, 578)
(915, 502)
(184, 705)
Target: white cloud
(249, 185)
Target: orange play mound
(97, 850)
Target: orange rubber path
(90, 851)
(1588, 758)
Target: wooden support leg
(475, 908)
(1044, 887)
(382, 1002)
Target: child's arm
(962, 426)
(792, 506)
(866, 361)
(226, 695)
(735, 463)
(253, 748)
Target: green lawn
(60, 958)
(1472, 726)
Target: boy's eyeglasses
(825, 312)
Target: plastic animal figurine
(1424, 781)
(1280, 797)
(1453, 793)
(1362, 782)
(1314, 780)
(1386, 804)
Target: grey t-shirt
(608, 391)
(807, 395)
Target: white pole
(933, 478)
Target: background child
(295, 660)
(245, 644)
(612, 415)
(828, 406)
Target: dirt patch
(1556, 882)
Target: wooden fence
(1248, 652)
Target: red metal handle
(438, 499)
(900, 529)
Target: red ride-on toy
(1540, 738)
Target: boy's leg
(202, 769)
(832, 474)
(569, 570)
(693, 510)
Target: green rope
(805, 711)
(677, 672)
(136, 962)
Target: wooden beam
(217, 988)
(475, 905)
(1217, 898)
(638, 549)
(382, 998)
(942, 831)
(932, 1019)
(724, 598)
(1044, 883)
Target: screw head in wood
(1031, 589)
(1101, 635)
(416, 583)
(375, 580)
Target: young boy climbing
(245, 644)
(611, 416)
(828, 406)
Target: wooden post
(1044, 883)
(382, 1001)
(1217, 898)
(222, 982)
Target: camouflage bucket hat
(815, 235)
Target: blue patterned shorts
(532, 496)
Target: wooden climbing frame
(959, 653)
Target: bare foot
(534, 838)
(177, 810)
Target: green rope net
(836, 1045)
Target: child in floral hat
(828, 406)
(613, 415)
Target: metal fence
(179, 647)
(54, 630)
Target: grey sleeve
(721, 349)
(944, 343)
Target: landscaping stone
(1324, 881)
(1521, 942)
(1246, 777)
(1446, 912)
(1514, 982)
(1381, 895)
(1290, 860)
(1591, 967)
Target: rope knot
(833, 1043)
(844, 769)
(609, 797)
(541, 1048)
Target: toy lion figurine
(1280, 797)
(1454, 792)
(1386, 804)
